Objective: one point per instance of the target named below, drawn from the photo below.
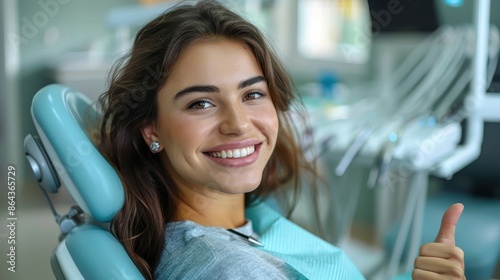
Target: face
(217, 124)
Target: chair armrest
(91, 252)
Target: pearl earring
(154, 146)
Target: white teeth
(236, 153)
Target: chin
(238, 188)
(240, 182)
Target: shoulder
(190, 261)
(186, 254)
(200, 254)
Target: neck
(213, 209)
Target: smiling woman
(203, 89)
(196, 122)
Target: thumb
(448, 223)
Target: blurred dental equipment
(434, 89)
(412, 128)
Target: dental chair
(63, 154)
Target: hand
(442, 259)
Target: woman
(195, 122)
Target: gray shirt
(193, 251)
(290, 252)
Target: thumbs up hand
(442, 259)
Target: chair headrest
(61, 116)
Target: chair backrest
(61, 116)
(65, 153)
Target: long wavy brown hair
(131, 103)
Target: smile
(235, 153)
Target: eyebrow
(211, 88)
(251, 81)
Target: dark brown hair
(131, 103)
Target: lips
(233, 153)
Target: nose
(234, 120)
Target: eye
(200, 105)
(254, 95)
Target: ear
(149, 134)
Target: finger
(448, 224)
(442, 250)
(439, 265)
(419, 274)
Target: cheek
(181, 140)
(275, 126)
(270, 123)
(177, 135)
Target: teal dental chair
(63, 154)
